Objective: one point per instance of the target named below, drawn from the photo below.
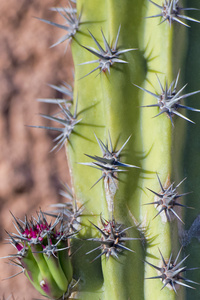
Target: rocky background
(29, 174)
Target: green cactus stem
(118, 109)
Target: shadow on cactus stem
(147, 240)
(149, 56)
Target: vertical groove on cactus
(157, 143)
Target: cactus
(126, 147)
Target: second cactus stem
(114, 83)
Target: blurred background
(30, 175)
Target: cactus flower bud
(43, 254)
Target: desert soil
(29, 174)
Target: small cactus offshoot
(171, 272)
(172, 12)
(43, 254)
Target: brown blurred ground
(29, 175)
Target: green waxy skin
(54, 290)
(32, 271)
(118, 109)
(65, 261)
(157, 143)
(98, 90)
(90, 274)
(41, 271)
(57, 272)
(38, 273)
